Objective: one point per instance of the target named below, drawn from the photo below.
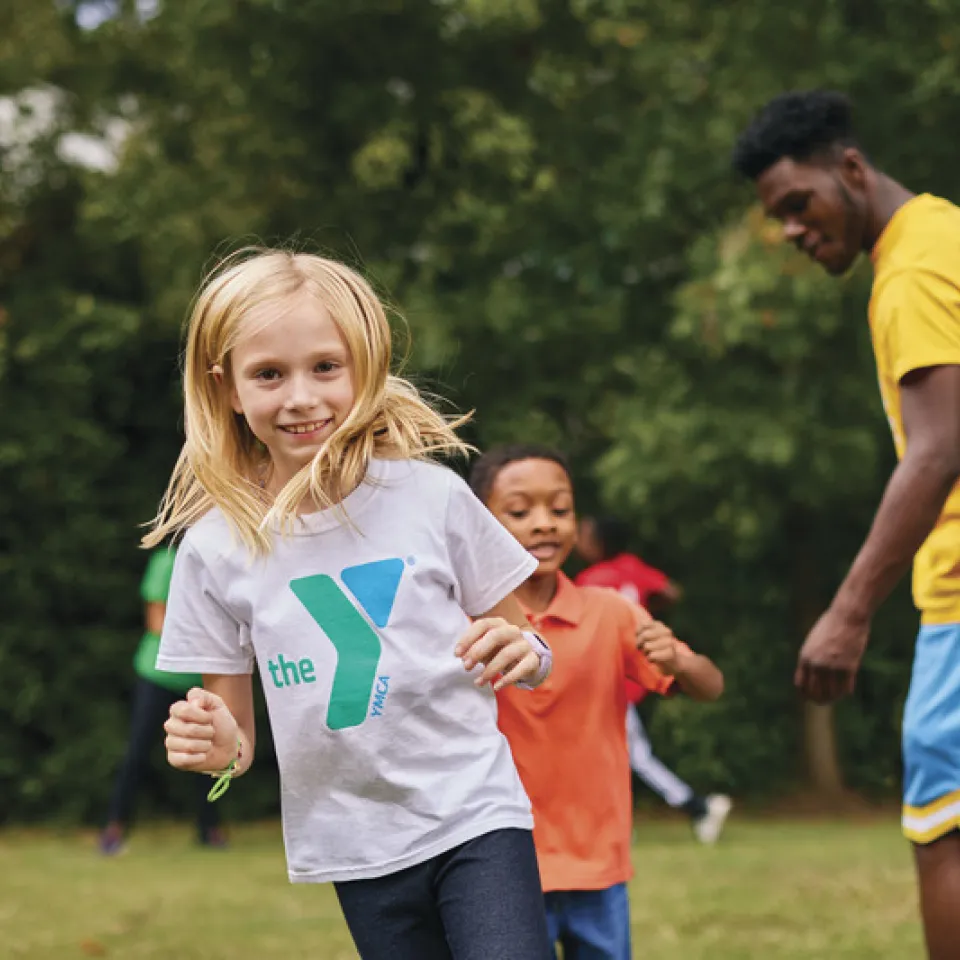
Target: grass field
(784, 890)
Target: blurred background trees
(543, 189)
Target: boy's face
(533, 499)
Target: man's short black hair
(612, 534)
(484, 472)
(794, 125)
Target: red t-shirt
(626, 574)
(633, 579)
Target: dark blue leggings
(479, 901)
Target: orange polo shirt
(569, 737)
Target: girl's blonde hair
(222, 464)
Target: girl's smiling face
(291, 379)
(533, 499)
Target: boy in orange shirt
(568, 737)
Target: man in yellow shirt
(812, 175)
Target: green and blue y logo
(374, 587)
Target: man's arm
(908, 511)
(916, 493)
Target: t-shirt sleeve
(918, 321)
(200, 635)
(155, 584)
(488, 562)
(650, 580)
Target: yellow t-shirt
(915, 323)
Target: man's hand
(830, 656)
(911, 504)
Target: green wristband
(225, 776)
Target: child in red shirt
(568, 736)
(603, 543)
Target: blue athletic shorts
(590, 924)
(931, 736)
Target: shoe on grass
(214, 838)
(709, 827)
(112, 842)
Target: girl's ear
(216, 371)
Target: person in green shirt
(153, 694)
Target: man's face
(822, 206)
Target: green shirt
(154, 588)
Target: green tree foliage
(543, 188)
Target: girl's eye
(327, 366)
(517, 514)
(268, 373)
(562, 511)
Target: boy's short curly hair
(796, 125)
(485, 469)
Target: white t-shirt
(392, 756)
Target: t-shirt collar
(319, 521)
(890, 233)
(566, 605)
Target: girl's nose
(301, 394)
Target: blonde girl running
(321, 545)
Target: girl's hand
(503, 650)
(662, 648)
(201, 733)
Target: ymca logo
(374, 587)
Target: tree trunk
(819, 733)
(820, 742)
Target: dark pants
(151, 705)
(480, 901)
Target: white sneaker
(709, 827)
